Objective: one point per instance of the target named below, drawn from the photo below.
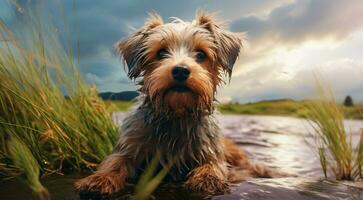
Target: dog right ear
(132, 48)
(229, 44)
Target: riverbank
(283, 107)
(278, 142)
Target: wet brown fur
(177, 127)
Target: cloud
(93, 79)
(343, 76)
(286, 41)
(100, 25)
(284, 48)
(304, 20)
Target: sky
(284, 42)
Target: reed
(150, 180)
(332, 142)
(51, 121)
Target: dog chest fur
(185, 141)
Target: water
(275, 141)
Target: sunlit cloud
(286, 41)
(295, 40)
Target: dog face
(180, 63)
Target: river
(279, 142)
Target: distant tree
(348, 101)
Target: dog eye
(200, 56)
(161, 54)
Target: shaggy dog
(179, 66)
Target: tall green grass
(41, 131)
(51, 121)
(338, 157)
(150, 180)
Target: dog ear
(131, 49)
(228, 43)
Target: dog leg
(109, 178)
(242, 168)
(207, 178)
(234, 155)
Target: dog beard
(172, 103)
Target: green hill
(284, 107)
(281, 107)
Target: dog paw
(207, 184)
(99, 185)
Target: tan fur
(159, 80)
(109, 177)
(234, 155)
(208, 178)
(242, 168)
(178, 127)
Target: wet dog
(179, 66)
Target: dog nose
(180, 73)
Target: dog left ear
(228, 43)
(132, 48)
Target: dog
(179, 66)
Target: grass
(119, 106)
(338, 157)
(273, 107)
(51, 121)
(282, 107)
(41, 131)
(150, 180)
(24, 160)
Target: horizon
(262, 100)
(285, 43)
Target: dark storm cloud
(97, 24)
(304, 20)
(102, 23)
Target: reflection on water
(274, 141)
(279, 141)
(292, 189)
